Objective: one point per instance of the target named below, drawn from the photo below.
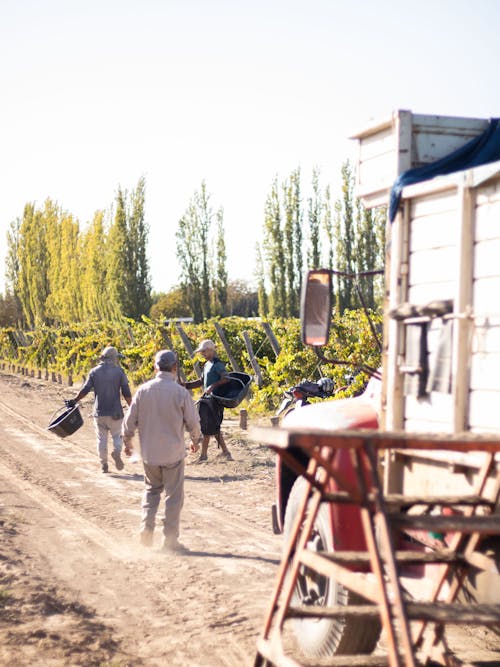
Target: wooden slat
(446, 501)
(274, 654)
(359, 582)
(481, 614)
(406, 557)
(308, 439)
(358, 611)
(464, 524)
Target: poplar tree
(345, 230)
(314, 218)
(221, 277)
(12, 267)
(204, 215)
(96, 289)
(118, 267)
(188, 255)
(33, 261)
(139, 283)
(274, 253)
(293, 237)
(263, 304)
(328, 228)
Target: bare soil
(76, 587)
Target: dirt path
(76, 588)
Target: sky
(97, 93)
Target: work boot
(104, 467)
(146, 537)
(117, 459)
(172, 545)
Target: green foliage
(77, 349)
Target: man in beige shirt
(160, 410)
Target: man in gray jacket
(107, 380)
(160, 410)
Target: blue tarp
(480, 150)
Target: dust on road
(76, 588)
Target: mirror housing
(316, 307)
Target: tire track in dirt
(204, 609)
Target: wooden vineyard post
(220, 332)
(189, 348)
(253, 360)
(271, 338)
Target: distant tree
(328, 228)
(221, 277)
(345, 230)
(33, 285)
(201, 253)
(204, 215)
(128, 268)
(274, 252)
(97, 290)
(170, 305)
(188, 255)
(10, 311)
(263, 306)
(242, 299)
(12, 269)
(138, 231)
(119, 256)
(293, 241)
(315, 206)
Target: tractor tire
(325, 637)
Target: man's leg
(173, 481)
(150, 501)
(101, 430)
(115, 428)
(225, 451)
(204, 448)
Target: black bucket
(67, 422)
(233, 392)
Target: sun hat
(165, 360)
(206, 344)
(110, 352)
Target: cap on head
(165, 360)
(110, 352)
(206, 344)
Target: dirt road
(76, 588)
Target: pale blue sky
(96, 93)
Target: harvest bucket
(233, 392)
(65, 423)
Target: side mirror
(316, 307)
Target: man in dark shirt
(214, 375)
(107, 380)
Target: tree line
(317, 232)
(58, 273)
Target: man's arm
(194, 384)
(192, 421)
(129, 425)
(125, 387)
(88, 385)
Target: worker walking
(211, 411)
(108, 381)
(160, 410)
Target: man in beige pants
(160, 410)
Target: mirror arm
(372, 372)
